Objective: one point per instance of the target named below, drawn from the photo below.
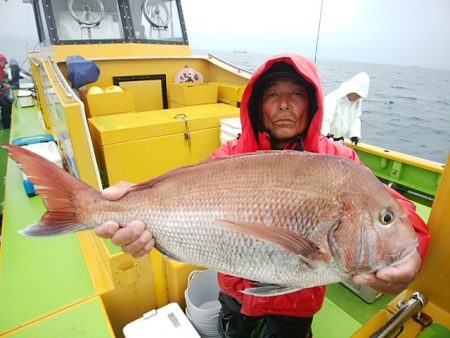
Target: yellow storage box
(192, 93)
(108, 103)
(138, 146)
(229, 93)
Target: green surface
(423, 211)
(414, 177)
(81, 321)
(112, 248)
(26, 122)
(353, 305)
(343, 313)
(38, 276)
(435, 331)
(4, 138)
(332, 322)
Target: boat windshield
(97, 21)
(87, 20)
(157, 20)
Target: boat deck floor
(45, 285)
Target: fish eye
(386, 216)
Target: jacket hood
(294, 65)
(358, 84)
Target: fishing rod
(318, 31)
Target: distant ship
(239, 51)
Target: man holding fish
(281, 109)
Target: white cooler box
(166, 322)
(43, 145)
(230, 129)
(25, 98)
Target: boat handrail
(68, 91)
(61, 79)
(237, 68)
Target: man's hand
(392, 279)
(354, 140)
(134, 238)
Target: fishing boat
(153, 107)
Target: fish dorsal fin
(286, 239)
(151, 183)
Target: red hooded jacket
(306, 302)
(2, 73)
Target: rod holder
(407, 310)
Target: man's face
(2, 64)
(285, 107)
(353, 97)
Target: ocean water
(407, 109)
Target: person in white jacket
(342, 109)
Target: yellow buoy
(95, 90)
(113, 89)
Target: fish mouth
(403, 254)
(365, 257)
(400, 256)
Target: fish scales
(191, 204)
(184, 232)
(288, 218)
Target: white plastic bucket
(202, 304)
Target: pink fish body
(291, 219)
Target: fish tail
(63, 194)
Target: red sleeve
(423, 234)
(329, 147)
(226, 149)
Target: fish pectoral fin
(51, 230)
(286, 239)
(269, 290)
(168, 254)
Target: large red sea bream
(287, 218)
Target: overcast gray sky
(401, 32)
(405, 32)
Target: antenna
(318, 31)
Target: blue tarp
(81, 71)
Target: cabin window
(150, 91)
(110, 21)
(87, 20)
(157, 20)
